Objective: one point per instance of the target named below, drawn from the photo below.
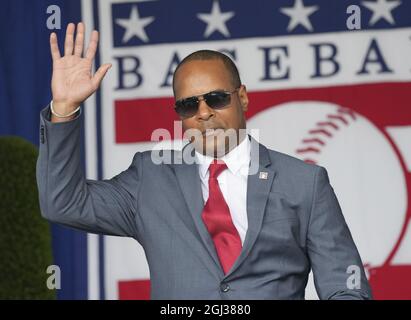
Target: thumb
(99, 75)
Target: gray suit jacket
(294, 222)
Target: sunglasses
(217, 99)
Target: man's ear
(242, 94)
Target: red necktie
(217, 218)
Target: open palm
(72, 81)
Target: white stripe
(352, 50)
(91, 164)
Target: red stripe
(136, 119)
(134, 290)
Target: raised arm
(65, 195)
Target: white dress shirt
(232, 182)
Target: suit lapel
(258, 189)
(190, 184)
(259, 183)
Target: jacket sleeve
(335, 261)
(66, 197)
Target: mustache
(211, 129)
(198, 135)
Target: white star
(216, 20)
(135, 26)
(299, 15)
(381, 9)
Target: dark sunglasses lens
(217, 99)
(187, 107)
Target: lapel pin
(263, 175)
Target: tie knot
(216, 167)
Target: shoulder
(292, 165)
(294, 175)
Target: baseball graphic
(358, 157)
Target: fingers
(92, 46)
(78, 47)
(99, 75)
(54, 48)
(68, 44)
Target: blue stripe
(25, 75)
(70, 246)
(177, 20)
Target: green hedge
(25, 241)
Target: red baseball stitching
(316, 139)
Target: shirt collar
(236, 159)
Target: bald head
(204, 55)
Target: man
(243, 222)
